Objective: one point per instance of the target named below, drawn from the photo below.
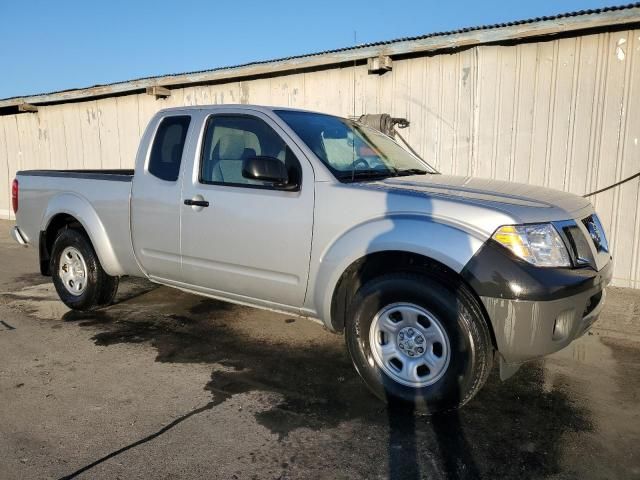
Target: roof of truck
(237, 106)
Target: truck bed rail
(114, 175)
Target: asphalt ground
(164, 384)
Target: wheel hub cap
(73, 271)
(409, 344)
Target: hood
(516, 198)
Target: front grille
(579, 246)
(596, 232)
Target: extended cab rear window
(168, 144)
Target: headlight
(538, 244)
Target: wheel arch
(72, 211)
(375, 264)
(441, 239)
(48, 237)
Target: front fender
(79, 208)
(449, 244)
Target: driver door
(244, 238)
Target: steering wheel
(361, 162)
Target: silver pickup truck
(430, 277)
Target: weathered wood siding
(562, 113)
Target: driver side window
(229, 140)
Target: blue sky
(55, 45)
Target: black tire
(457, 310)
(109, 290)
(100, 289)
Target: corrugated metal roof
(136, 83)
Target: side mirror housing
(265, 169)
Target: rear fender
(80, 209)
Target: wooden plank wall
(561, 113)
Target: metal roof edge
(468, 37)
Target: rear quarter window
(167, 148)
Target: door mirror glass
(266, 169)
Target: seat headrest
(231, 146)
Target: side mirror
(266, 169)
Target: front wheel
(78, 277)
(417, 339)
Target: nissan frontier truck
(430, 277)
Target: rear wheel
(417, 339)
(78, 277)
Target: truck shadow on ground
(511, 429)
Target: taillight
(14, 195)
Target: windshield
(352, 151)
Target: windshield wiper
(367, 174)
(403, 172)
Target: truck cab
(198, 222)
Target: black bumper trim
(496, 272)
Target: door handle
(196, 203)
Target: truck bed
(98, 197)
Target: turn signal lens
(538, 244)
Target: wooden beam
(27, 107)
(379, 64)
(159, 92)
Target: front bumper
(534, 311)
(528, 329)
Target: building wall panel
(5, 181)
(522, 134)
(57, 139)
(107, 112)
(89, 129)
